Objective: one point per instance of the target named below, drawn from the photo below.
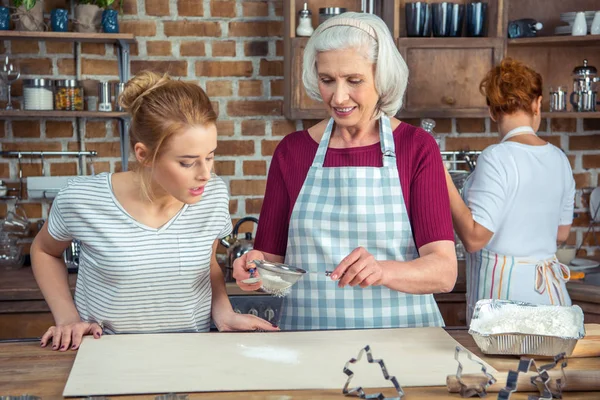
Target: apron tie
(548, 277)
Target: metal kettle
(237, 247)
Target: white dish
(580, 264)
(595, 204)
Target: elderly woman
(519, 199)
(360, 193)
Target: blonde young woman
(148, 236)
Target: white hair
(391, 71)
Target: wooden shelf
(68, 36)
(60, 114)
(570, 114)
(444, 113)
(557, 40)
(449, 42)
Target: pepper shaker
(304, 22)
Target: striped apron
(338, 210)
(496, 276)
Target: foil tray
(517, 343)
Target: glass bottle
(428, 125)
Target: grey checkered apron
(338, 210)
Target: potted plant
(29, 15)
(88, 15)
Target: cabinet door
(445, 74)
(301, 105)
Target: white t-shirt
(522, 193)
(134, 278)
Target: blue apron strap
(388, 148)
(322, 150)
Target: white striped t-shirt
(137, 279)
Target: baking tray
(517, 343)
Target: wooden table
(28, 369)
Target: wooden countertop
(29, 369)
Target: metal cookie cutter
(540, 380)
(466, 391)
(22, 397)
(358, 391)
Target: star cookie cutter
(541, 380)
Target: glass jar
(37, 94)
(329, 12)
(428, 125)
(68, 95)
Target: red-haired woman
(518, 203)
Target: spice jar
(68, 95)
(304, 22)
(37, 94)
(329, 12)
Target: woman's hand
(66, 335)
(243, 322)
(241, 265)
(359, 268)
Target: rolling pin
(576, 381)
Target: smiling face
(347, 86)
(184, 166)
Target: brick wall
(234, 50)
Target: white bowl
(566, 254)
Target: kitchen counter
(43, 372)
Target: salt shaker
(304, 22)
(579, 25)
(595, 29)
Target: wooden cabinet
(445, 72)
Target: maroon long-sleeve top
(421, 178)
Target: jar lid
(38, 82)
(585, 69)
(305, 12)
(332, 10)
(67, 83)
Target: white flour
(549, 320)
(275, 285)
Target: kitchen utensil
(191, 362)
(595, 28)
(580, 25)
(304, 27)
(441, 18)
(581, 264)
(576, 381)
(558, 99)
(476, 19)
(583, 97)
(277, 278)
(418, 19)
(9, 74)
(456, 21)
(566, 253)
(517, 342)
(237, 247)
(71, 256)
(526, 27)
(329, 12)
(118, 89)
(104, 99)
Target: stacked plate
(569, 18)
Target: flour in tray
(541, 320)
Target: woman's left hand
(244, 322)
(359, 268)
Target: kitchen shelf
(566, 40)
(60, 114)
(449, 42)
(69, 36)
(570, 114)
